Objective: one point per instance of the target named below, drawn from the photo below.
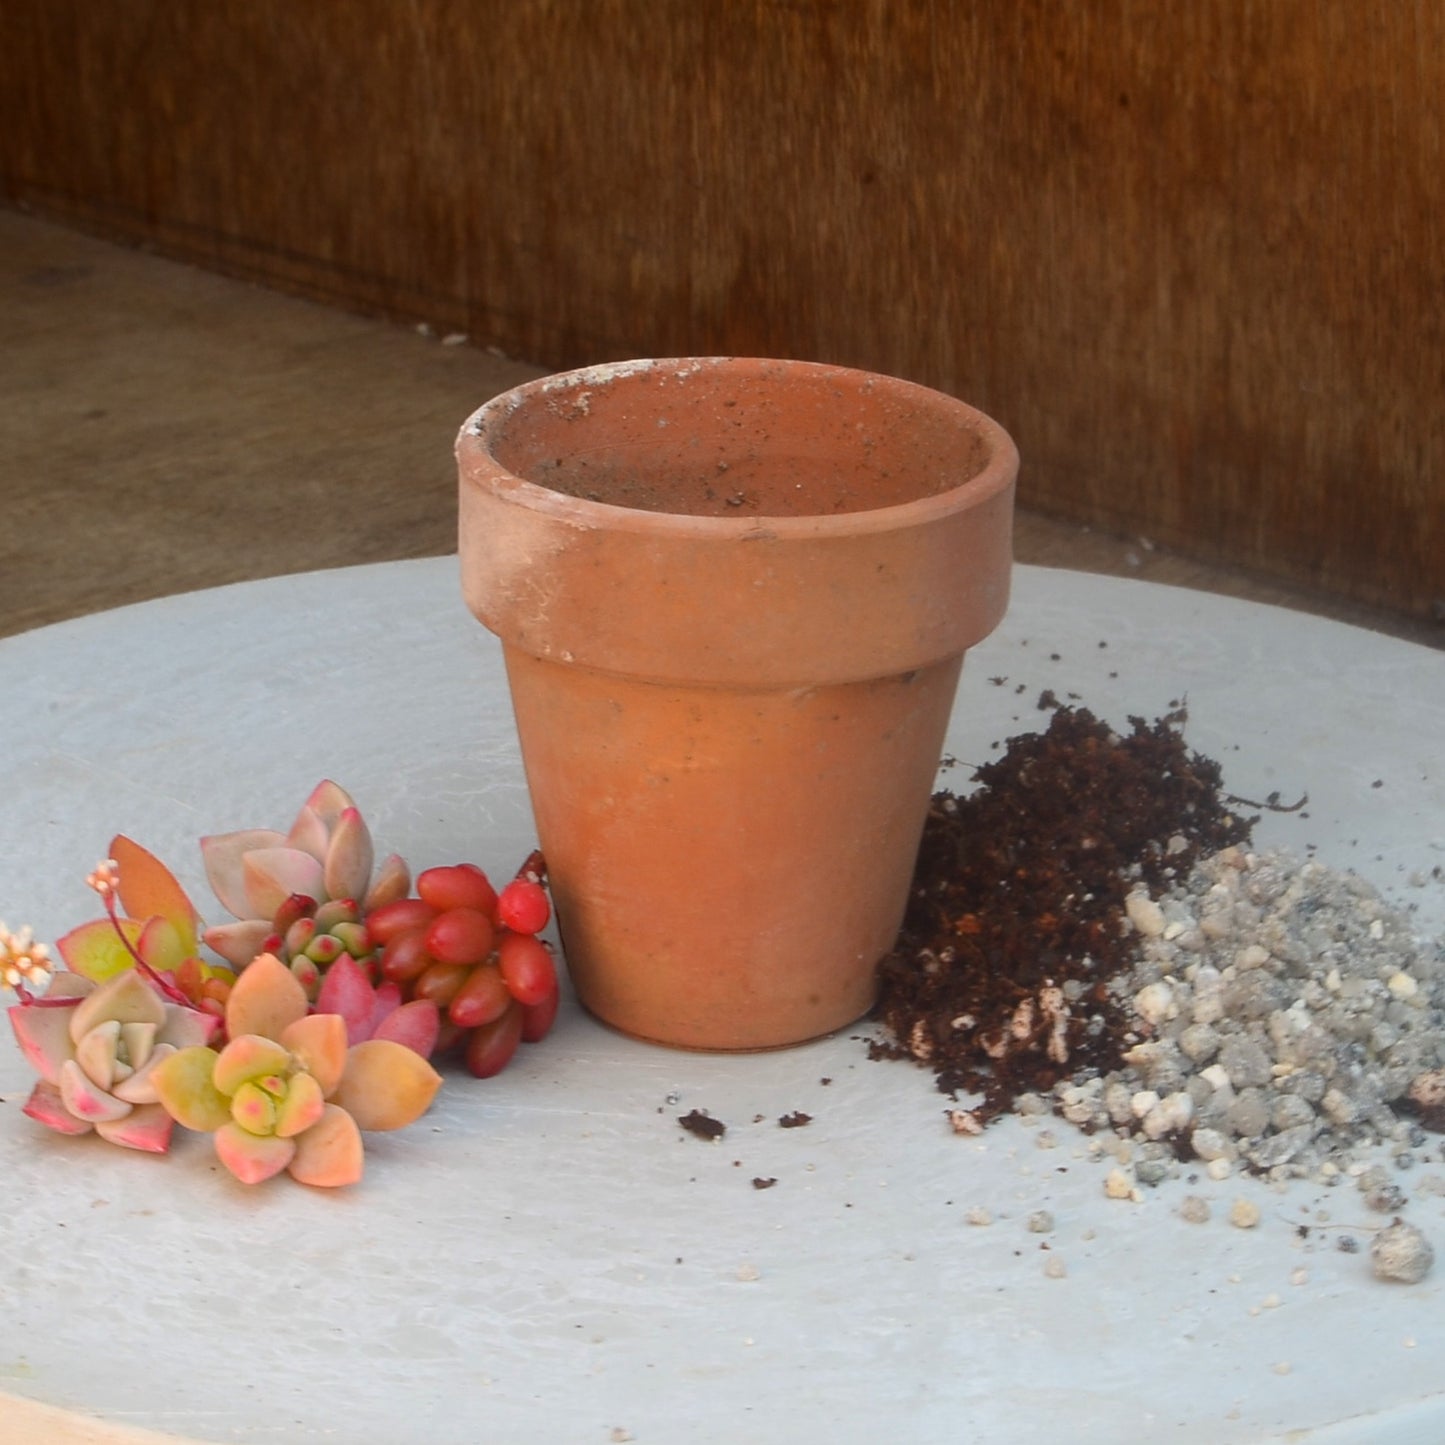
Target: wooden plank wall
(1191, 254)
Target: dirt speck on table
(703, 1125)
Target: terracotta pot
(734, 596)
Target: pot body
(734, 597)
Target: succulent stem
(159, 981)
(31, 1000)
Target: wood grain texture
(1191, 255)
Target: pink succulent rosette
(97, 1056)
(289, 1091)
(326, 857)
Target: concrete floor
(166, 429)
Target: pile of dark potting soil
(1015, 927)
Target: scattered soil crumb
(764, 1183)
(703, 1125)
(978, 1216)
(1055, 1268)
(796, 1120)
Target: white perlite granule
(1281, 1009)
(1401, 1253)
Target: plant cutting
(96, 1049)
(734, 597)
(288, 1091)
(301, 894)
(319, 1023)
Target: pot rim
(486, 424)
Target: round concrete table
(547, 1256)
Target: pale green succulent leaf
(127, 998)
(96, 951)
(86, 1099)
(185, 1087)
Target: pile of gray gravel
(1288, 1022)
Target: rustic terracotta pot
(734, 597)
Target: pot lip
(997, 476)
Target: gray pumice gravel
(1284, 1013)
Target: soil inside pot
(755, 482)
(672, 437)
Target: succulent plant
(24, 963)
(287, 891)
(311, 939)
(96, 1048)
(288, 1091)
(372, 1011)
(156, 931)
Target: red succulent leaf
(388, 1000)
(346, 990)
(416, 1024)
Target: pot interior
(731, 437)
